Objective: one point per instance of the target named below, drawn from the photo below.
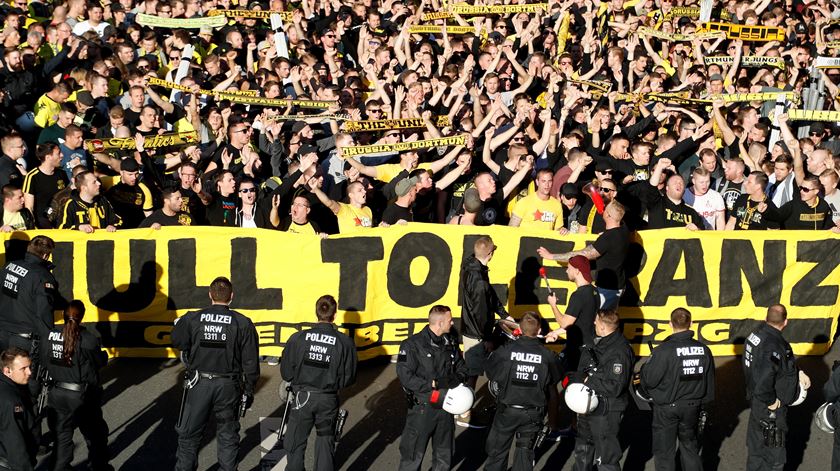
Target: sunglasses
(245, 130)
(607, 190)
(248, 190)
(806, 189)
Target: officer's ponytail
(73, 316)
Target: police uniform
(76, 397)
(608, 370)
(523, 370)
(317, 363)
(679, 377)
(831, 391)
(425, 357)
(770, 373)
(30, 292)
(220, 346)
(18, 444)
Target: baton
(545, 278)
(280, 432)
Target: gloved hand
(249, 400)
(447, 382)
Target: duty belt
(520, 407)
(77, 387)
(26, 335)
(218, 376)
(690, 403)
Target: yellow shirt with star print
(538, 214)
(351, 218)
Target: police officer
(608, 369)
(679, 377)
(317, 363)
(831, 391)
(428, 362)
(219, 347)
(18, 444)
(73, 355)
(524, 370)
(773, 382)
(30, 292)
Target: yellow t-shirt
(46, 111)
(305, 229)
(387, 172)
(351, 218)
(538, 214)
(15, 220)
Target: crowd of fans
(555, 107)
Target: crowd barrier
(135, 283)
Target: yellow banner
(458, 140)
(432, 29)
(175, 86)
(653, 33)
(150, 142)
(385, 124)
(135, 283)
(746, 33)
(691, 12)
(748, 61)
(257, 14)
(186, 23)
(814, 115)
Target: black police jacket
(523, 370)
(611, 377)
(480, 301)
(85, 363)
(17, 427)
(425, 357)
(680, 369)
(770, 369)
(319, 359)
(30, 293)
(219, 340)
(831, 389)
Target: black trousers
(220, 396)
(669, 425)
(597, 442)
(71, 409)
(509, 422)
(760, 456)
(422, 423)
(834, 417)
(311, 409)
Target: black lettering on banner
(467, 250)
(807, 291)
(695, 286)
(352, 256)
(410, 246)
(738, 256)
(243, 276)
(183, 292)
(143, 285)
(62, 258)
(725, 331)
(529, 287)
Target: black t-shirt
(179, 219)
(589, 216)
(583, 304)
(424, 205)
(492, 210)
(43, 187)
(395, 212)
(668, 214)
(192, 205)
(730, 193)
(222, 210)
(797, 214)
(236, 166)
(129, 202)
(612, 244)
(745, 212)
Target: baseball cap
(818, 128)
(581, 263)
(307, 149)
(716, 77)
(298, 126)
(263, 45)
(801, 28)
(84, 97)
(128, 164)
(117, 6)
(569, 190)
(603, 167)
(404, 186)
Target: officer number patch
(617, 368)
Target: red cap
(582, 264)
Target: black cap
(129, 164)
(298, 126)
(569, 190)
(603, 167)
(84, 97)
(307, 149)
(117, 6)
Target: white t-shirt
(706, 206)
(834, 203)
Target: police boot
(584, 457)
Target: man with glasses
(236, 154)
(808, 211)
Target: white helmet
(580, 398)
(803, 393)
(823, 418)
(458, 400)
